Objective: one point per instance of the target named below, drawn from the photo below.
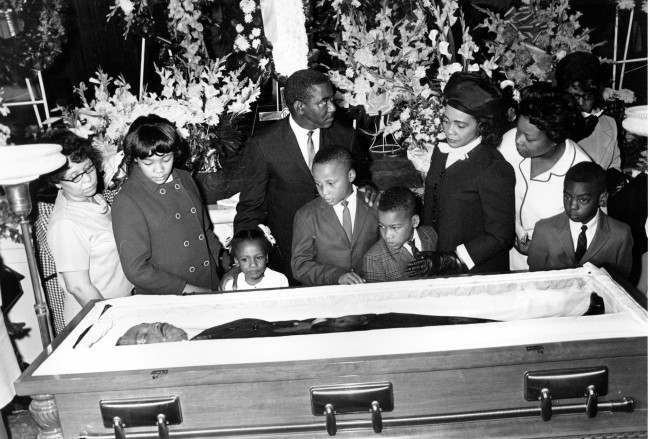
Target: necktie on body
(414, 250)
(581, 246)
(311, 152)
(347, 220)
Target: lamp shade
(636, 120)
(23, 163)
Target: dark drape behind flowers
(94, 43)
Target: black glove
(435, 263)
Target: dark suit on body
(321, 251)
(473, 203)
(278, 182)
(551, 247)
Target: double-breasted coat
(163, 235)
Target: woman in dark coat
(469, 189)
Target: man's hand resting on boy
(370, 195)
(350, 278)
(435, 263)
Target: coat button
(177, 186)
(192, 269)
(162, 191)
(177, 216)
(193, 210)
(206, 263)
(201, 237)
(186, 244)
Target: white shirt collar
(301, 136)
(576, 228)
(352, 206)
(418, 242)
(560, 168)
(458, 154)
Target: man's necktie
(414, 250)
(311, 152)
(581, 247)
(347, 220)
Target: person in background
(80, 231)
(250, 249)
(579, 74)
(402, 237)
(333, 232)
(469, 189)
(161, 227)
(541, 152)
(582, 233)
(278, 174)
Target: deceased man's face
(148, 333)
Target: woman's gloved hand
(435, 263)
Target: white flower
(256, 43)
(241, 43)
(126, 6)
(239, 28)
(473, 68)
(349, 72)
(625, 4)
(247, 6)
(433, 35)
(420, 72)
(443, 48)
(263, 62)
(405, 115)
(516, 96)
(248, 18)
(256, 32)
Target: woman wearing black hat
(469, 189)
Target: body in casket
(442, 381)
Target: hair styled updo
(552, 111)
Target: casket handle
(546, 404)
(118, 428)
(330, 419)
(592, 402)
(163, 428)
(377, 422)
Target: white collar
(298, 130)
(593, 113)
(460, 153)
(416, 238)
(591, 224)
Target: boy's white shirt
(418, 242)
(352, 205)
(576, 227)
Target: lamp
(18, 166)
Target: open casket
(543, 370)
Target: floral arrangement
(205, 104)
(528, 41)
(36, 36)
(250, 39)
(184, 23)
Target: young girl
(250, 249)
(161, 227)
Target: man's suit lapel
(599, 239)
(360, 221)
(292, 147)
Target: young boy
(401, 238)
(333, 232)
(583, 233)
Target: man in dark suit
(278, 178)
(333, 232)
(583, 233)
